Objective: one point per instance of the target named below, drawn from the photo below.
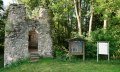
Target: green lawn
(53, 65)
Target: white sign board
(103, 48)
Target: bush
(112, 34)
(58, 51)
(90, 49)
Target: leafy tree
(91, 18)
(77, 4)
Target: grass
(54, 65)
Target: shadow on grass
(1, 61)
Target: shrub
(112, 34)
(90, 49)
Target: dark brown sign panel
(77, 48)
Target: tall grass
(55, 65)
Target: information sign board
(103, 49)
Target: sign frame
(98, 49)
(77, 52)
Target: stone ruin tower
(23, 35)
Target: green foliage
(74, 35)
(90, 49)
(112, 35)
(32, 4)
(100, 35)
(109, 9)
(58, 51)
(64, 24)
(106, 7)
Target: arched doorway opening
(33, 41)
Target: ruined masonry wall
(16, 34)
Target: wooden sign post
(102, 49)
(77, 48)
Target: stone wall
(15, 35)
(44, 41)
(17, 32)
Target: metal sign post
(102, 49)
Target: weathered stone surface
(17, 30)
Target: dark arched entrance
(33, 41)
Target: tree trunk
(91, 18)
(105, 19)
(90, 24)
(105, 24)
(77, 4)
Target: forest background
(91, 20)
